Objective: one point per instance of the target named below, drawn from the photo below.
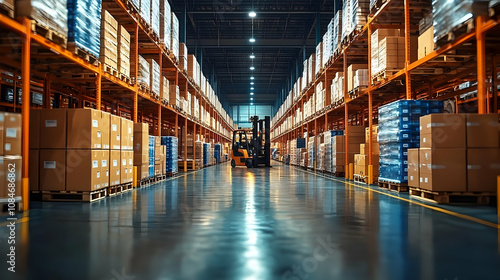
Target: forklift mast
(261, 141)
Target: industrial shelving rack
(414, 81)
(55, 71)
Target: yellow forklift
(255, 152)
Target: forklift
(258, 151)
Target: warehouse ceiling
(218, 31)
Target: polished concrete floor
(223, 223)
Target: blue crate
(336, 133)
(301, 143)
(398, 136)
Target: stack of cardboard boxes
(141, 150)
(78, 150)
(123, 51)
(109, 40)
(10, 154)
(351, 72)
(160, 157)
(144, 76)
(154, 77)
(183, 57)
(458, 153)
(155, 17)
(175, 36)
(361, 162)
(165, 24)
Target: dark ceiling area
(218, 32)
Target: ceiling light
(251, 93)
(251, 98)
(252, 56)
(251, 103)
(251, 88)
(252, 40)
(252, 68)
(252, 83)
(252, 14)
(252, 78)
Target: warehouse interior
(230, 139)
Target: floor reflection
(223, 223)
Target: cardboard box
(83, 170)
(127, 134)
(374, 133)
(114, 167)
(483, 167)
(84, 129)
(482, 130)
(126, 172)
(34, 129)
(442, 131)
(12, 134)
(350, 74)
(114, 133)
(443, 169)
(34, 169)
(414, 168)
(142, 171)
(53, 169)
(141, 144)
(7, 165)
(426, 43)
(105, 168)
(105, 130)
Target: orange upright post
(25, 73)
(407, 48)
(481, 66)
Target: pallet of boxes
(83, 154)
(458, 160)
(398, 132)
(11, 162)
(361, 160)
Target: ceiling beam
(261, 43)
(292, 12)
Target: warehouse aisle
(223, 223)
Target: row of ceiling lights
(252, 15)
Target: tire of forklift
(248, 163)
(233, 163)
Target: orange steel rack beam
(23, 29)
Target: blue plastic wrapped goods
(84, 24)
(301, 143)
(172, 153)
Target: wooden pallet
(427, 71)
(174, 59)
(84, 76)
(455, 33)
(171, 174)
(48, 33)
(125, 78)
(111, 70)
(481, 198)
(144, 88)
(384, 74)
(80, 196)
(6, 9)
(90, 58)
(131, 7)
(376, 5)
(115, 190)
(159, 178)
(360, 179)
(391, 186)
(355, 92)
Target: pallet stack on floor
(361, 161)
(459, 157)
(79, 156)
(10, 159)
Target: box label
(118, 137)
(11, 133)
(118, 172)
(51, 123)
(2, 117)
(95, 123)
(49, 165)
(130, 162)
(104, 163)
(8, 146)
(114, 127)
(124, 162)
(107, 173)
(98, 134)
(98, 174)
(95, 164)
